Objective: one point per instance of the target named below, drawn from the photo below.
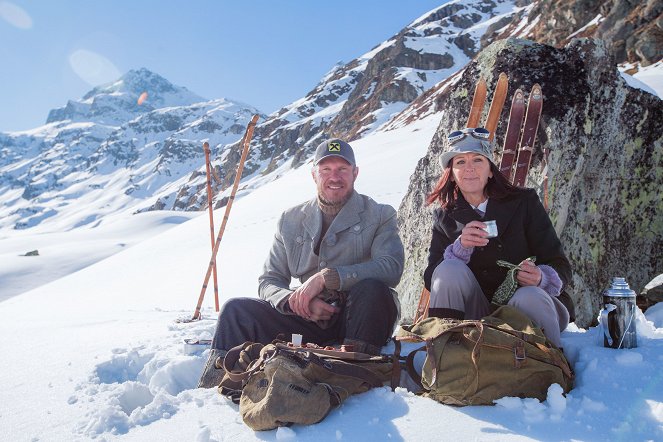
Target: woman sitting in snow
(463, 273)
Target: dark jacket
(524, 230)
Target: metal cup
(618, 315)
(491, 228)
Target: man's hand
(320, 310)
(529, 274)
(473, 235)
(300, 299)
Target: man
(345, 250)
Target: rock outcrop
(632, 30)
(605, 168)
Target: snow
(595, 21)
(95, 353)
(648, 78)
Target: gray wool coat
(361, 243)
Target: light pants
(453, 286)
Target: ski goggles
(479, 133)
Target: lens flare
(93, 68)
(142, 98)
(15, 15)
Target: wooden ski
(477, 103)
(534, 107)
(497, 104)
(513, 127)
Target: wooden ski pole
(245, 150)
(210, 209)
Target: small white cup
(491, 228)
(296, 339)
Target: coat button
(356, 228)
(323, 263)
(299, 239)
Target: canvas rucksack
(477, 362)
(286, 385)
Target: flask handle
(604, 321)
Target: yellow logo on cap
(334, 147)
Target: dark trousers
(368, 316)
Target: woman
(462, 273)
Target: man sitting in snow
(345, 250)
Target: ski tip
(503, 77)
(537, 93)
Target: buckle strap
(519, 356)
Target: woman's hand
(529, 274)
(473, 235)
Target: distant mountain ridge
(363, 95)
(108, 150)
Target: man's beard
(333, 206)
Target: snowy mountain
(116, 103)
(360, 97)
(123, 146)
(135, 144)
(398, 81)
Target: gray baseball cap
(334, 148)
(468, 143)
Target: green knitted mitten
(508, 287)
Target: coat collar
(349, 214)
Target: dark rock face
(633, 30)
(604, 169)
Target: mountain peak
(134, 93)
(136, 81)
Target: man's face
(334, 178)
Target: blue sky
(266, 53)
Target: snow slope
(96, 354)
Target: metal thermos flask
(618, 315)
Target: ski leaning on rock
(510, 147)
(246, 141)
(477, 103)
(496, 105)
(528, 140)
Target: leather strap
(409, 365)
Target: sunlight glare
(15, 15)
(93, 68)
